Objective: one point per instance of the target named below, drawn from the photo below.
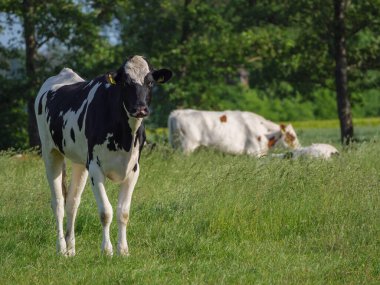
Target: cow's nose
(141, 112)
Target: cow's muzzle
(140, 112)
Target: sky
(10, 32)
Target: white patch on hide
(137, 68)
(66, 77)
(117, 164)
(134, 123)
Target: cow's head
(136, 79)
(286, 137)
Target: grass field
(209, 218)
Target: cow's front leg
(104, 207)
(123, 207)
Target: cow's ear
(114, 77)
(162, 75)
(111, 77)
(119, 74)
(271, 142)
(283, 128)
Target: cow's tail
(171, 129)
(174, 130)
(64, 181)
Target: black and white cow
(97, 125)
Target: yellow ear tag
(161, 79)
(111, 80)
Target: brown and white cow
(229, 131)
(316, 150)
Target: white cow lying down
(316, 150)
(229, 131)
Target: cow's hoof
(107, 252)
(107, 249)
(70, 252)
(70, 243)
(61, 247)
(123, 252)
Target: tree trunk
(185, 23)
(342, 96)
(30, 67)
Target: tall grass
(208, 218)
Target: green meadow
(209, 218)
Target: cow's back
(60, 114)
(229, 131)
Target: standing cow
(229, 131)
(98, 125)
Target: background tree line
(286, 60)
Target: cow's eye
(150, 84)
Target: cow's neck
(120, 120)
(134, 124)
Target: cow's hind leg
(104, 206)
(123, 207)
(54, 163)
(77, 184)
(189, 146)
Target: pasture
(208, 218)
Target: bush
(321, 105)
(13, 115)
(224, 97)
(367, 104)
(324, 104)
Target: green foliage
(367, 104)
(324, 103)
(286, 47)
(67, 33)
(13, 114)
(206, 218)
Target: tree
(286, 46)
(343, 101)
(196, 39)
(339, 40)
(31, 47)
(293, 51)
(13, 131)
(73, 25)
